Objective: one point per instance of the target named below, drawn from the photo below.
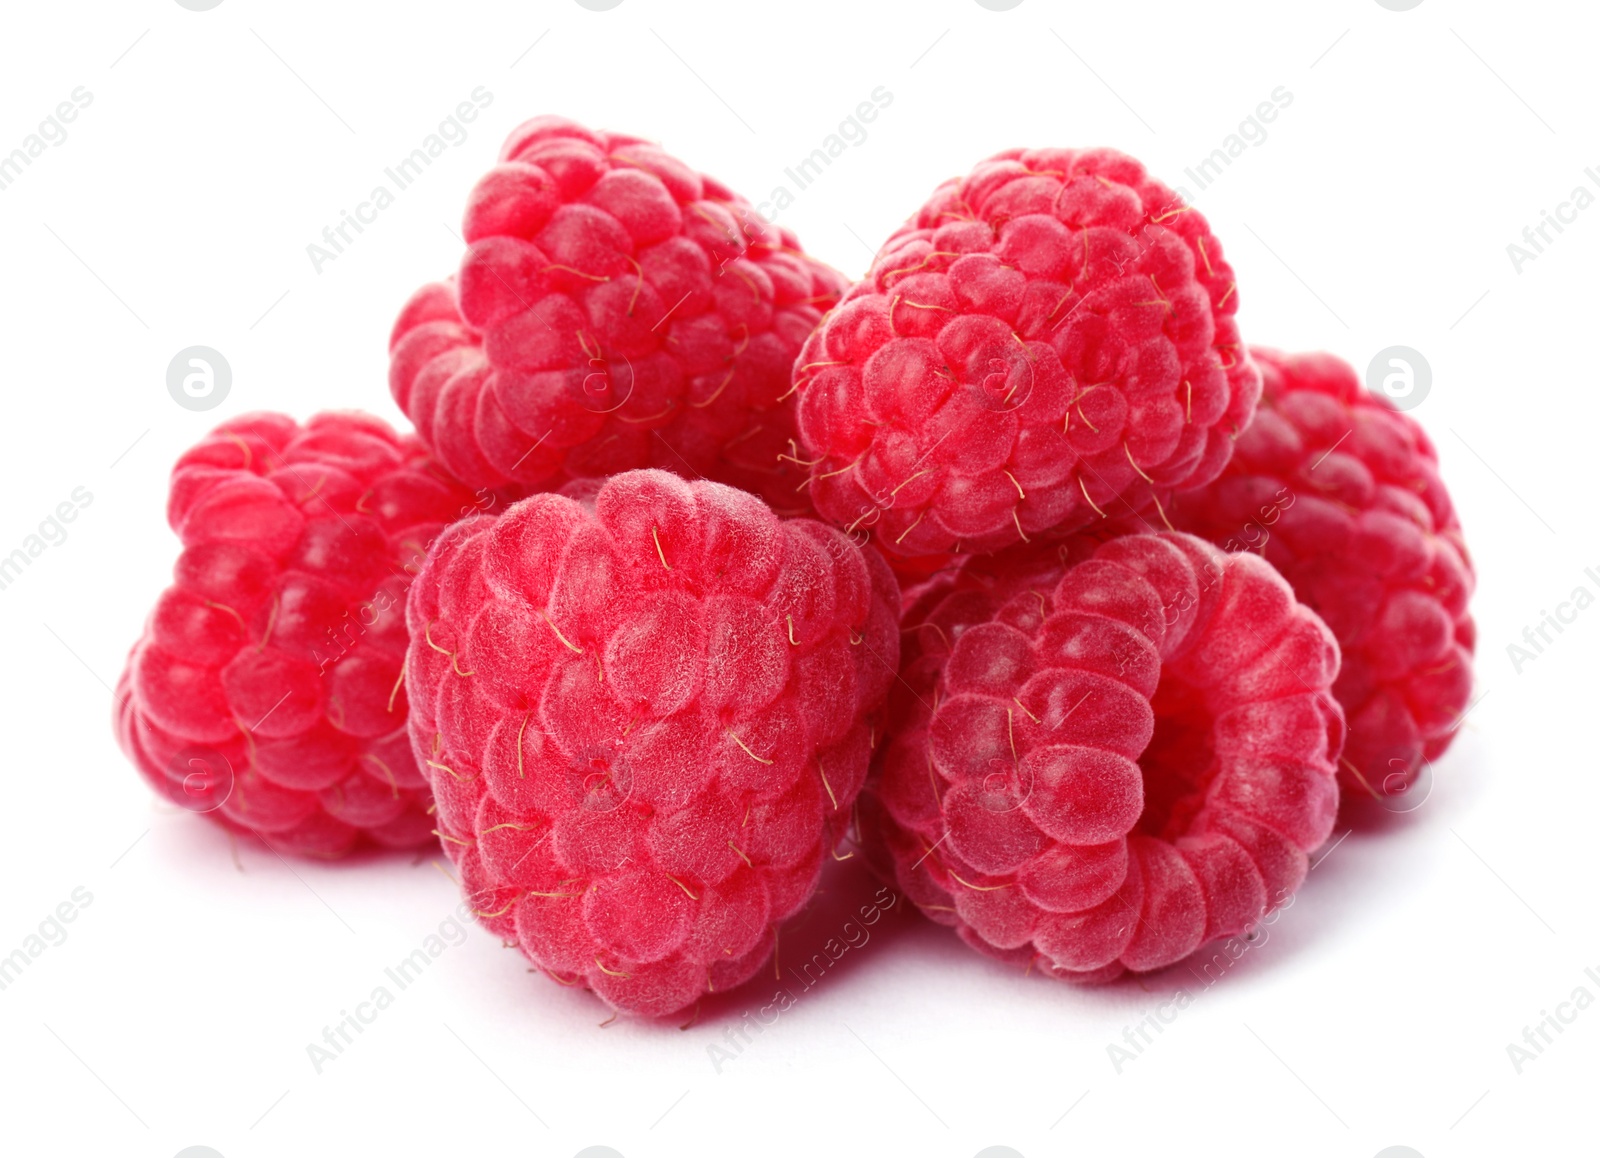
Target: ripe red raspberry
(264, 689)
(1050, 339)
(1100, 767)
(646, 716)
(614, 310)
(1341, 492)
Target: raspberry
(1101, 766)
(263, 690)
(614, 310)
(1341, 492)
(646, 714)
(1050, 338)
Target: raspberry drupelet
(646, 709)
(265, 691)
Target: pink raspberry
(1049, 340)
(1341, 492)
(614, 310)
(646, 715)
(265, 689)
(1102, 766)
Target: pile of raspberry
(1110, 746)
(1010, 565)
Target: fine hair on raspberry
(614, 310)
(646, 709)
(1049, 341)
(1103, 757)
(265, 691)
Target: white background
(1378, 210)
